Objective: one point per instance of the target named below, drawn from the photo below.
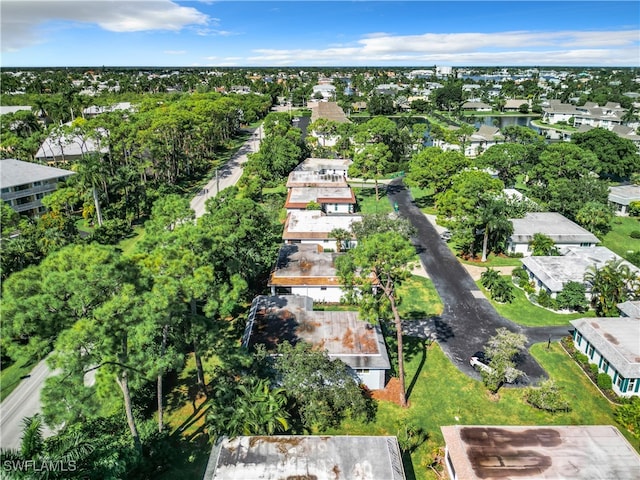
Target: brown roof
(330, 111)
(304, 264)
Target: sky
(161, 33)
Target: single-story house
(95, 110)
(323, 166)
(630, 308)
(553, 272)
(621, 197)
(574, 452)
(321, 457)
(304, 269)
(314, 226)
(562, 231)
(476, 107)
(514, 104)
(61, 147)
(486, 136)
(331, 199)
(613, 344)
(24, 184)
(330, 111)
(306, 178)
(357, 343)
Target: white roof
(13, 108)
(57, 146)
(624, 194)
(559, 228)
(315, 223)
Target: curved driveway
(468, 319)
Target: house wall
(625, 387)
(320, 294)
(374, 379)
(323, 242)
(525, 249)
(329, 208)
(26, 199)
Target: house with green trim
(613, 344)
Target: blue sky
(307, 33)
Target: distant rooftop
(329, 110)
(16, 172)
(630, 308)
(306, 178)
(4, 109)
(540, 452)
(552, 224)
(617, 339)
(324, 165)
(315, 224)
(624, 194)
(300, 197)
(304, 264)
(282, 457)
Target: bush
(604, 381)
(520, 275)
(547, 397)
(573, 297)
(582, 358)
(545, 300)
(502, 291)
(634, 208)
(635, 234)
(594, 368)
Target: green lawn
(419, 298)
(127, 245)
(423, 198)
(523, 312)
(493, 260)
(619, 239)
(367, 203)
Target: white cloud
(616, 48)
(22, 20)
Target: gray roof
(276, 319)
(617, 339)
(303, 264)
(58, 145)
(559, 228)
(13, 109)
(308, 224)
(16, 172)
(555, 271)
(541, 452)
(630, 308)
(322, 164)
(315, 457)
(307, 178)
(624, 194)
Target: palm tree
(542, 245)
(612, 284)
(342, 237)
(489, 278)
(89, 174)
(493, 217)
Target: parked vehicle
(479, 361)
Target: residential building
(304, 269)
(95, 110)
(332, 200)
(613, 344)
(357, 343)
(562, 231)
(622, 196)
(483, 138)
(630, 308)
(63, 147)
(306, 178)
(328, 110)
(314, 227)
(553, 272)
(24, 184)
(325, 166)
(323, 457)
(514, 104)
(591, 114)
(476, 107)
(539, 453)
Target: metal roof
(326, 457)
(16, 172)
(559, 228)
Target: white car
(480, 362)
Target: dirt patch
(475, 270)
(390, 393)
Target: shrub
(582, 358)
(489, 278)
(628, 415)
(520, 275)
(594, 368)
(545, 300)
(634, 208)
(529, 288)
(573, 297)
(635, 234)
(502, 291)
(547, 397)
(604, 381)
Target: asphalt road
(23, 402)
(468, 319)
(228, 174)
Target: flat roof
(321, 164)
(16, 172)
(309, 178)
(299, 197)
(280, 457)
(305, 264)
(315, 224)
(624, 194)
(617, 339)
(541, 452)
(630, 308)
(553, 224)
(555, 271)
(276, 319)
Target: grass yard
(523, 312)
(366, 198)
(419, 299)
(493, 260)
(423, 198)
(619, 239)
(441, 395)
(127, 245)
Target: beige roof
(540, 452)
(304, 264)
(330, 111)
(299, 197)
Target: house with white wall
(343, 335)
(332, 200)
(621, 196)
(613, 344)
(315, 227)
(304, 269)
(560, 229)
(323, 166)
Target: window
(323, 288)
(591, 350)
(619, 381)
(605, 366)
(579, 339)
(631, 386)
